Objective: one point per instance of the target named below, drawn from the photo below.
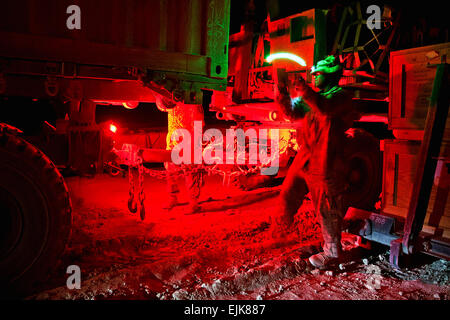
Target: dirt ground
(223, 252)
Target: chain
(181, 170)
(185, 169)
(141, 194)
(132, 206)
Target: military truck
(75, 57)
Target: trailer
(79, 56)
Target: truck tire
(36, 216)
(364, 177)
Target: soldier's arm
(283, 98)
(285, 105)
(323, 104)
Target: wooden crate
(399, 170)
(411, 84)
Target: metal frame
(358, 48)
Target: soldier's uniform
(319, 165)
(182, 116)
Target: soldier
(318, 166)
(181, 116)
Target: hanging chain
(141, 194)
(186, 169)
(132, 206)
(181, 170)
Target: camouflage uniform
(319, 165)
(182, 117)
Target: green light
(286, 55)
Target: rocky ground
(222, 252)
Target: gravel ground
(222, 252)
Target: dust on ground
(223, 252)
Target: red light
(112, 128)
(130, 104)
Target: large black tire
(363, 157)
(36, 216)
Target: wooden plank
(408, 134)
(426, 163)
(406, 152)
(441, 200)
(420, 49)
(410, 86)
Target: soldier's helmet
(329, 65)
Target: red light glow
(112, 128)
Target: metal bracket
(382, 228)
(382, 224)
(395, 252)
(382, 231)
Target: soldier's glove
(300, 85)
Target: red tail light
(112, 128)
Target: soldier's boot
(193, 206)
(173, 201)
(330, 257)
